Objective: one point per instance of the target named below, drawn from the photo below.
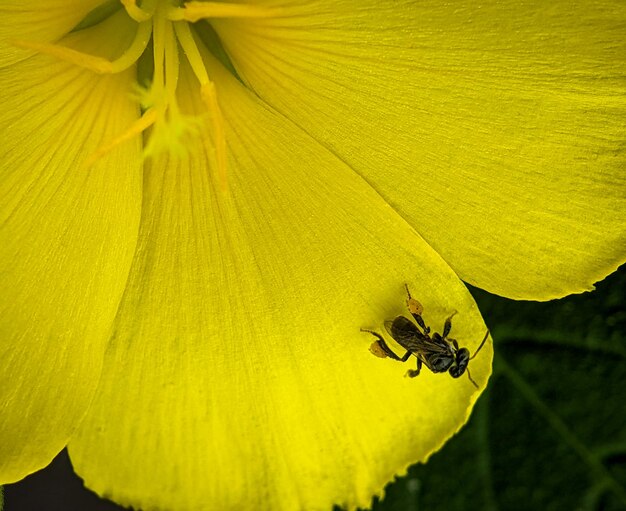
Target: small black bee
(438, 352)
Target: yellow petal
(43, 23)
(68, 235)
(496, 129)
(238, 377)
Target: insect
(438, 352)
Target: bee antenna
(480, 347)
(470, 377)
(406, 286)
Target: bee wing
(407, 335)
(402, 329)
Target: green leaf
(550, 431)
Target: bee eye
(462, 357)
(457, 370)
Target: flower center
(166, 22)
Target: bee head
(462, 359)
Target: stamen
(209, 96)
(158, 44)
(171, 62)
(194, 11)
(139, 126)
(188, 44)
(171, 128)
(135, 12)
(91, 62)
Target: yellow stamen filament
(91, 62)
(158, 47)
(183, 33)
(139, 126)
(209, 96)
(136, 12)
(171, 62)
(194, 11)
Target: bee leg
(481, 345)
(470, 378)
(420, 321)
(413, 373)
(454, 343)
(416, 309)
(447, 326)
(381, 349)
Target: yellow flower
(187, 261)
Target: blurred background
(549, 433)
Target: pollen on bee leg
(377, 350)
(412, 304)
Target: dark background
(548, 433)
